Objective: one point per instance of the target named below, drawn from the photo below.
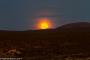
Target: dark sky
(22, 14)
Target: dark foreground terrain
(69, 42)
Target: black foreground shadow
(71, 41)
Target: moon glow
(44, 23)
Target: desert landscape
(68, 42)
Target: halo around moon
(44, 19)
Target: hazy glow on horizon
(44, 23)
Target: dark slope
(66, 40)
(82, 26)
(77, 25)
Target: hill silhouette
(66, 40)
(76, 26)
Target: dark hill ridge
(59, 41)
(79, 26)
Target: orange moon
(44, 23)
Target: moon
(44, 23)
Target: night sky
(23, 14)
